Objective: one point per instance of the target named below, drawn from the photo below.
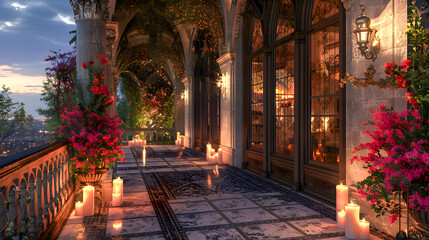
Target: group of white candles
(86, 208)
(137, 143)
(348, 216)
(179, 139)
(212, 156)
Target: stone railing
(152, 135)
(36, 192)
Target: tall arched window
(324, 95)
(285, 81)
(257, 88)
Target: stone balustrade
(36, 192)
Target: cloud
(19, 83)
(7, 25)
(65, 19)
(18, 6)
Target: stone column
(90, 16)
(229, 112)
(111, 79)
(189, 111)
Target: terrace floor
(179, 195)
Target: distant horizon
(29, 29)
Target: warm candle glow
(78, 207)
(144, 156)
(117, 225)
(341, 219)
(116, 199)
(118, 187)
(363, 229)
(88, 201)
(352, 221)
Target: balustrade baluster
(46, 214)
(39, 217)
(2, 217)
(23, 208)
(51, 203)
(32, 229)
(12, 211)
(55, 189)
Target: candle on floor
(220, 151)
(178, 135)
(216, 158)
(208, 147)
(342, 196)
(182, 140)
(144, 156)
(177, 142)
(363, 229)
(118, 187)
(352, 221)
(212, 152)
(116, 200)
(88, 201)
(78, 209)
(341, 217)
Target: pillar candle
(178, 135)
(116, 200)
(88, 201)
(212, 152)
(352, 221)
(216, 158)
(144, 156)
(341, 217)
(78, 209)
(363, 229)
(220, 151)
(342, 197)
(118, 187)
(182, 140)
(208, 147)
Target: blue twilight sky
(28, 30)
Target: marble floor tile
(116, 213)
(269, 201)
(73, 219)
(218, 234)
(200, 219)
(151, 237)
(317, 226)
(248, 215)
(130, 226)
(73, 232)
(136, 198)
(270, 231)
(187, 169)
(158, 170)
(125, 172)
(293, 211)
(191, 207)
(151, 164)
(236, 203)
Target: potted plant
(94, 135)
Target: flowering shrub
(94, 135)
(397, 160)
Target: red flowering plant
(397, 160)
(95, 136)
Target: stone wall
(389, 17)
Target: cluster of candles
(348, 216)
(86, 208)
(212, 156)
(179, 139)
(137, 142)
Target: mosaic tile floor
(176, 194)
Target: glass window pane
(285, 22)
(257, 102)
(323, 9)
(285, 97)
(257, 38)
(324, 97)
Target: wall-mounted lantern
(365, 35)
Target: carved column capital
(111, 37)
(347, 5)
(84, 9)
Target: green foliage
(12, 116)
(418, 40)
(147, 105)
